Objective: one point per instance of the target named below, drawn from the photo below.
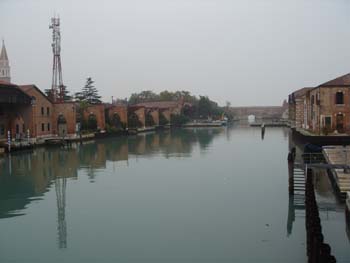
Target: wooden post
(9, 141)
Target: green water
(195, 195)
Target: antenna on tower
(57, 88)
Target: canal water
(191, 195)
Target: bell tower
(4, 64)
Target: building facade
(324, 109)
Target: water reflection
(25, 177)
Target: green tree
(204, 107)
(88, 93)
(178, 119)
(66, 95)
(166, 96)
(143, 96)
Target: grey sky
(248, 52)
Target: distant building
(5, 74)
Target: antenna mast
(57, 88)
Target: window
(48, 126)
(327, 122)
(2, 129)
(17, 129)
(23, 128)
(312, 99)
(48, 111)
(42, 110)
(339, 98)
(42, 127)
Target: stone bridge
(260, 112)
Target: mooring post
(291, 177)
(9, 141)
(291, 159)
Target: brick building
(97, 114)
(26, 110)
(15, 108)
(324, 109)
(297, 107)
(117, 115)
(329, 106)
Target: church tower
(4, 65)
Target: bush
(179, 120)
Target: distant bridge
(260, 112)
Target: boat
(347, 201)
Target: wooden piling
(317, 251)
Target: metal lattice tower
(57, 88)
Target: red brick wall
(99, 112)
(155, 115)
(141, 114)
(68, 110)
(121, 111)
(40, 115)
(328, 108)
(167, 115)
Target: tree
(89, 93)
(143, 96)
(66, 96)
(204, 106)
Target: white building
(5, 74)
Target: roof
(338, 82)
(12, 94)
(3, 54)
(3, 82)
(158, 104)
(26, 88)
(301, 92)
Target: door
(62, 126)
(328, 123)
(340, 123)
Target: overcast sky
(248, 52)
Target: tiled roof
(301, 92)
(26, 88)
(340, 81)
(3, 82)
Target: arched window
(339, 98)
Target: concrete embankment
(339, 155)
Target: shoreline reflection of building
(28, 176)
